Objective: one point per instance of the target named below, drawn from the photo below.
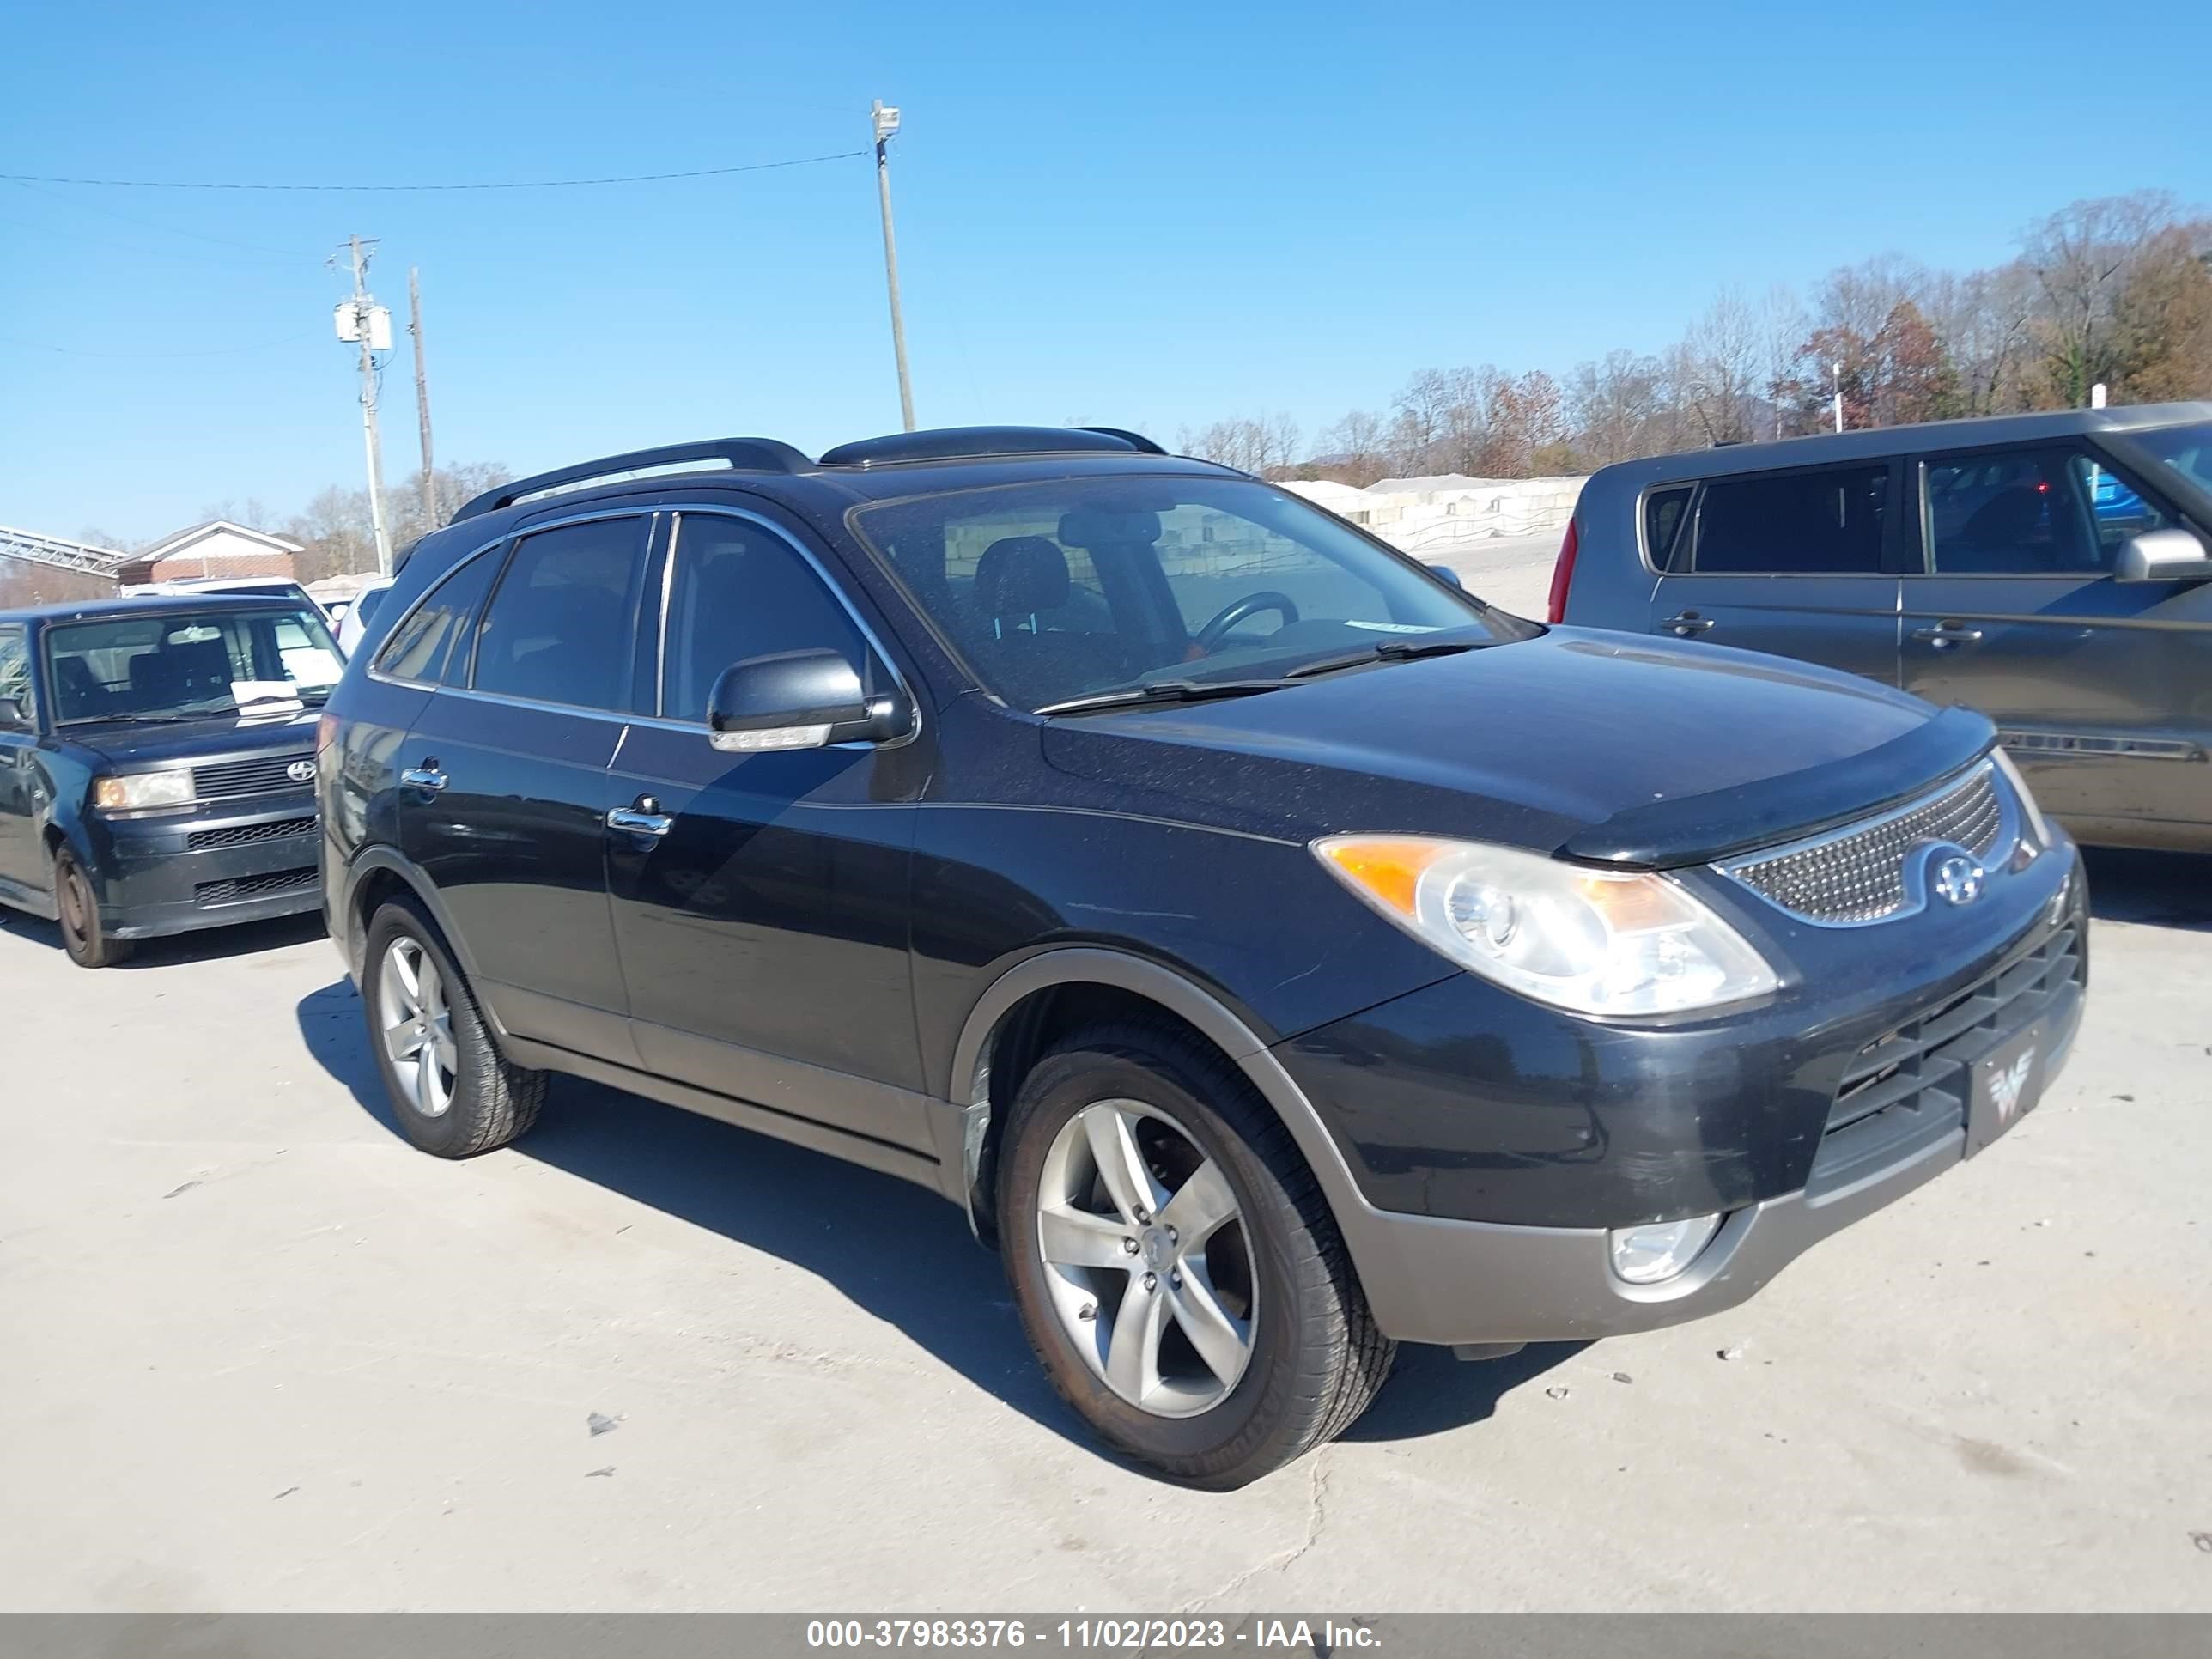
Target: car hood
(152, 746)
(1601, 746)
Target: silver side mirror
(2163, 556)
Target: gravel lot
(263, 1356)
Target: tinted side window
(739, 590)
(558, 628)
(2011, 513)
(1796, 524)
(16, 668)
(1664, 510)
(419, 647)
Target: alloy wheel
(1148, 1263)
(418, 1030)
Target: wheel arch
(379, 875)
(1059, 989)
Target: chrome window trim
(655, 721)
(2010, 837)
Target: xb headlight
(1592, 941)
(134, 790)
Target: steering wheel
(1209, 637)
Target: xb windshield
(1078, 587)
(177, 664)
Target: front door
(22, 781)
(761, 912)
(2095, 684)
(1799, 564)
(504, 783)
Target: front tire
(1176, 1265)
(76, 907)
(453, 1092)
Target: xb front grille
(1864, 872)
(264, 775)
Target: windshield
(1079, 587)
(215, 661)
(2186, 449)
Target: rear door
(2097, 686)
(762, 914)
(1802, 563)
(506, 789)
(22, 789)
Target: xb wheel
(1175, 1262)
(77, 909)
(451, 1090)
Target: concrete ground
(260, 1355)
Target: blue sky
(1136, 215)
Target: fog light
(1647, 1255)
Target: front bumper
(246, 863)
(1747, 1119)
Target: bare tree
(2083, 257)
(1614, 405)
(1716, 370)
(1358, 446)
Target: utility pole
(361, 320)
(886, 122)
(422, 398)
(1836, 379)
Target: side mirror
(1449, 575)
(798, 700)
(13, 713)
(2163, 556)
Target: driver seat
(1020, 581)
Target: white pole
(1836, 379)
(2097, 395)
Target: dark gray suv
(2049, 570)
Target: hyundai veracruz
(1277, 953)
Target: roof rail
(966, 442)
(1136, 439)
(742, 454)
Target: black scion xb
(157, 764)
(1277, 952)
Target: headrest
(1019, 575)
(1091, 526)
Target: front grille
(247, 835)
(1907, 1088)
(1858, 875)
(241, 888)
(263, 774)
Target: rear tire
(77, 908)
(1255, 1342)
(453, 1092)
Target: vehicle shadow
(173, 950)
(2161, 889)
(899, 1252)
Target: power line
(220, 351)
(276, 255)
(35, 179)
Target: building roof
(169, 546)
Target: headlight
(1595, 941)
(136, 789)
(2031, 815)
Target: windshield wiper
(1389, 651)
(1133, 696)
(133, 720)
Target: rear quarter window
(1664, 512)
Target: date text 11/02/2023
(1094, 1634)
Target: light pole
(886, 122)
(1836, 380)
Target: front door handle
(642, 816)
(1949, 633)
(1688, 623)
(425, 776)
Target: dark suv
(2052, 571)
(157, 764)
(1276, 952)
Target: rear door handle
(1947, 635)
(643, 817)
(1686, 622)
(426, 776)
